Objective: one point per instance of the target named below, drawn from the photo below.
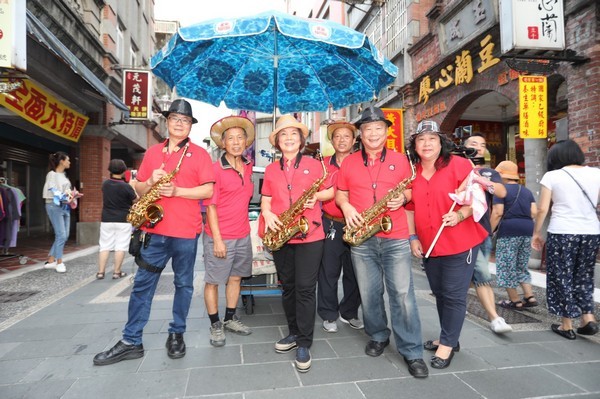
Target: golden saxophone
(293, 225)
(375, 218)
(146, 210)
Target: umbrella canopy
(273, 60)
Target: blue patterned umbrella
(273, 60)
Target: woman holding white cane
(452, 246)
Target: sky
(189, 12)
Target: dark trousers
(336, 257)
(298, 268)
(449, 278)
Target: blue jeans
(381, 264)
(182, 251)
(481, 273)
(61, 223)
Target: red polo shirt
(286, 186)
(430, 200)
(358, 180)
(182, 217)
(333, 169)
(231, 196)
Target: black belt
(339, 220)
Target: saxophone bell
(385, 224)
(153, 214)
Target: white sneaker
(61, 268)
(50, 265)
(499, 326)
(355, 323)
(330, 326)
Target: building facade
(76, 51)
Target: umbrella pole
(275, 66)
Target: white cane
(437, 236)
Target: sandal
(99, 276)
(530, 302)
(119, 275)
(508, 304)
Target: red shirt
(430, 200)
(300, 179)
(182, 217)
(333, 169)
(358, 180)
(231, 196)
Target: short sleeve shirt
(368, 184)
(330, 206)
(182, 217)
(117, 198)
(516, 221)
(430, 200)
(286, 186)
(231, 196)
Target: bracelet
(460, 216)
(413, 237)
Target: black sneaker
(286, 344)
(121, 351)
(303, 360)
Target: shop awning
(43, 34)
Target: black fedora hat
(180, 107)
(372, 114)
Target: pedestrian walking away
(336, 252)
(382, 261)
(570, 190)
(297, 261)
(115, 231)
(227, 244)
(450, 266)
(181, 173)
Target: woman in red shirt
(297, 262)
(450, 266)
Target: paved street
(47, 345)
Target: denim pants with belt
(380, 264)
(60, 219)
(182, 252)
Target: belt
(339, 220)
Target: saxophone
(146, 210)
(293, 225)
(375, 218)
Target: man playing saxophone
(174, 237)
(382, 261)
(297, 260)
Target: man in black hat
(382, 261)
(174, 237)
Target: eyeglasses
(183, 121)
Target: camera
(466, 152)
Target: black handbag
(136, 242)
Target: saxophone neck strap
(365, 156)
(296, 162)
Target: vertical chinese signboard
(40, 108)
(533, 107)
(137, 94)
(13, 36)
(395, 133)
(532, 24)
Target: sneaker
(286, 344)
(61, 268)
(217, 336)
(499, 326)
(50, 265)
(236, 326)
(330, 326)
(354, 322)
(303, 359)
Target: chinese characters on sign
(461, 71)
(395, 133)
(38, 107)
(533, 107)
(532, 24)
(136, 94)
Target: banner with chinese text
(533, 107)
(395, 133)
(137, 94)
(40, 108)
